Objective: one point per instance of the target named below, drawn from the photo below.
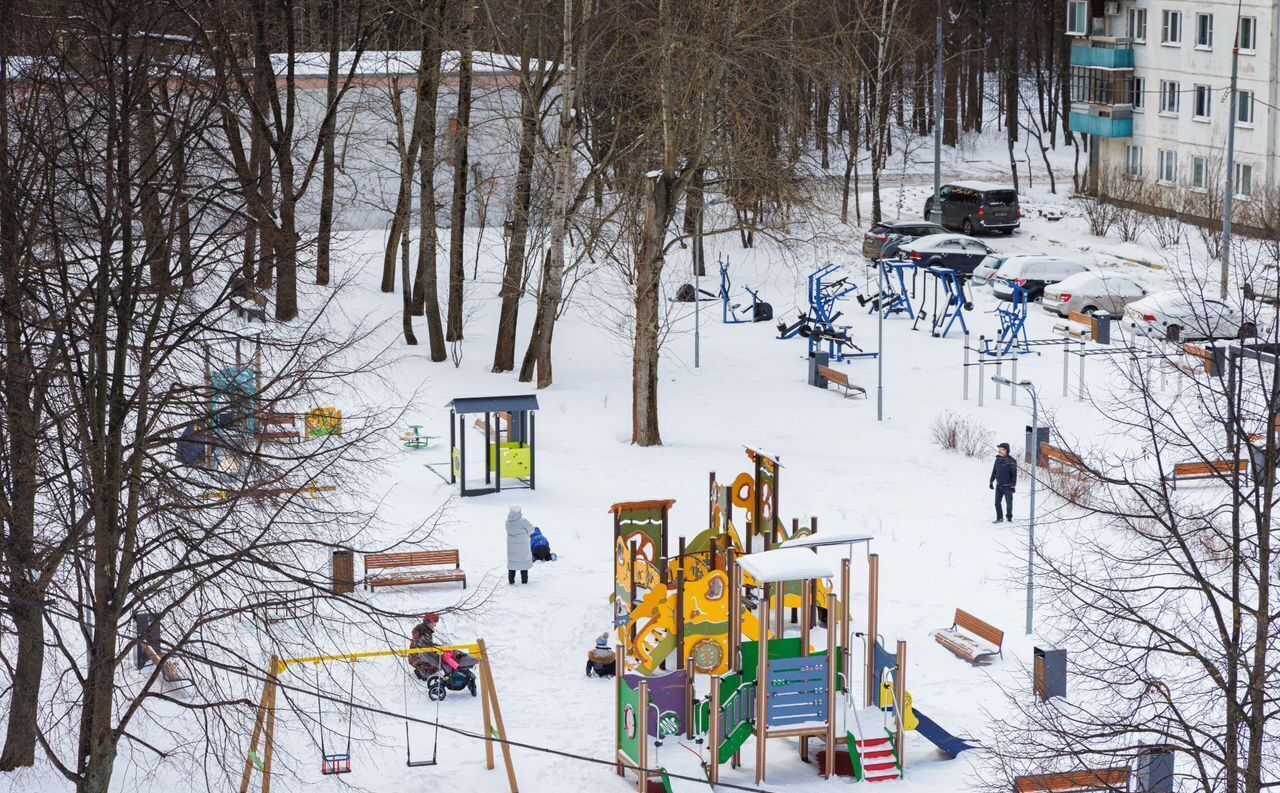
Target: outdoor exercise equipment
(1013, 324)
(955, 302)
(265, 720)
(893, 299)
(508, 427)
(817, 325)
(734, 313)
(336, 762)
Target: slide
(939, 737)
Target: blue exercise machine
(1013, 324)
(818, 323)
(734, 313)
(954, 305)
(892, 300)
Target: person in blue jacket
(540, 547)
(1004, 480)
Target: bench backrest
(1212, 468)
(979, 628)
(834, 375)
(384, 561)
(1080, 319)
(1060, 455)
(1099, 779)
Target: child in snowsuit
(540, 547)
(600, 660)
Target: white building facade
(1150, 85)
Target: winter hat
(1004, 446)
(603, 641)
(515, 510)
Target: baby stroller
(445, 672)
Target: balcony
(1105, 121)
(1102, 52)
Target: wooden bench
(1202, 354)
(1052, 454)
(840, 379)
(971, 639)
(1212, 469)
(409, 567)
(168, 669)
(1102, 779)
(1078, 326)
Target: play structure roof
(494, 404)
(827, 538)
(786, 564)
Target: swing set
(337, 763)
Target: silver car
(1085, 293)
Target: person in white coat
(519, 557)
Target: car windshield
(879, 228)
(1001, 198)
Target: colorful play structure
(509, 455)
(699, 630)
(262, 743)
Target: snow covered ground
(928, 509)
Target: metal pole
(935, 213)
(1229, 189)
(880, 350)
(966, 366)
(1066, 367)
(1031, 524)
(698, 265)
(982, 373)
(1080, 389)
(1013, 392)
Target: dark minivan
(974, 207)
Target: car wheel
(1088, 310)
(968, 227)
(1248, 330)
(1008, 232)
(1173, 333)
(928, 209)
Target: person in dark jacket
(1004, 480)
(601, 661)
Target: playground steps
(879, 761)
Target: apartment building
(1150, 86)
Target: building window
(1202, 104)
(1137, 25)
(1132, 160)
(1166, 166)
(1204, 31)
(1171, 28)
(1244, 108)
(1243, 186)
(1077, 17)
(1137, 92)
(1199, 173)
(1248, 34)
(1170, 96)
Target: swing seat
(333, 764)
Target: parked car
(1180, 317)
(1086, 293)
(1033, 274)
(977, 206)
(956, 251)
(988, 268)
(883, 239)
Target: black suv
(973, 207)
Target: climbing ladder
(875, 759)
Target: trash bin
(1050, 669)
(1043, 433)
(344, 572)
(1154, 770)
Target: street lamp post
(699, 265)
(1035, 463)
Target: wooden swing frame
(264, 725)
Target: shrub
(961, 433)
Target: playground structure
(340, 762)
(508, 427)
(817, 324)
(717, 609)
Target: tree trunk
(644, 358)
(461, 172)
(504, 352)
(694, 207)
(28, 623)
(327, 134)
(426, 291)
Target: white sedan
(1179, 317)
